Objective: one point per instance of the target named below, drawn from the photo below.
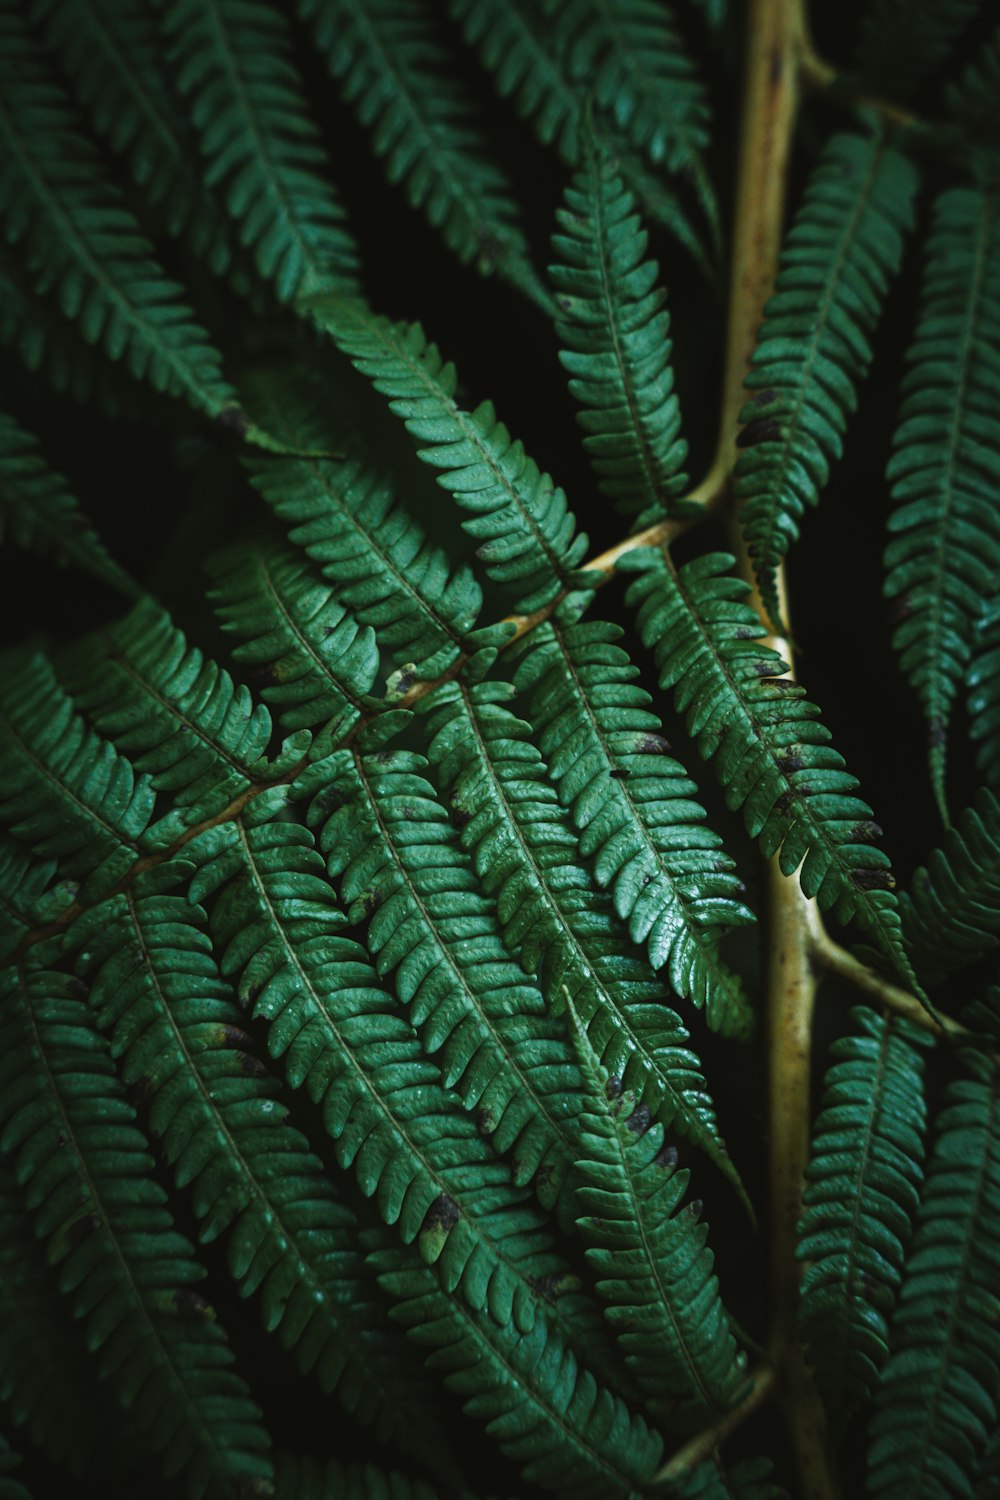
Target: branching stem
(704, 1444)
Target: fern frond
(516, 46)
(530, 542)
(628, 55)
(771, 753)
(983, 701)
(128, 1274)
(47, 1384)
(280, 930)
(951, 914)
(233, 62)
(314, 660)
(81, 241)
(379, 558)
(47, 344)
(863, 1183)
(27, 897)
(748, 1480)
(500, 1051)
(39, 511)
(614, 332)
(392, 66)
(178, 716)
(936, 1406)
(634, 809)
(653, 1266)
(63, 789)
(814, 346)
(11, 1487)
(544, 1411)
(902, 41)
(552, 916)
(300, 1478)
(112, 52)
(175, 1026)
(943, 558)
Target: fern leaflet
(943, 558)
(654, 1269)
(233, 61)
(770, 751)
(634, 810)
(614, 332)
(814, 347)
(127, 1272)
(862, 1190)
(936, 1405)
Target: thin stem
(704, 1444)
(828, 956)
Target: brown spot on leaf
(764, 430)
(613, 1088)
(444, 1213)
(638, 1120)
(666, 1157)
(873, 880)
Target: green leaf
(233, 63)
(392, 65)
(653, 1266)
(634, 809)
(552, 916)
(41, 513)
(302, 1478)
(65, 791)
(178, 716)
(530, 545)
(546, 1412)
(507, 1058)
(943, 557)
(316, 663)
(748, 1480)
(628, 54)
(112, 52)
(127, 1273)
(614, 332)
(81, 241)
(411, 1144)
(951, 914)
(814, 347)
(378, 557)
(863, 1182)
(771, 753)
(936, 1406)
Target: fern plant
(465, 1030)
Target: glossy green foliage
(770, 752)
(233, 62)
(530, 543)
(113, 53)
(80, 240)
(936, 1407)
(648, 1251)
(553, 916)
(39, 511)
(944, 550)
(951, 914)
(614, 332)
(531, 67)
(390, 62)
(506, 1058)
(540, 1406)
(862, 1190)
(315, 664)
(639, 824)
(391, 1069)
(181, 719)
(65, 791)
(815, 344)
(127, 1273)
(628, 55)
